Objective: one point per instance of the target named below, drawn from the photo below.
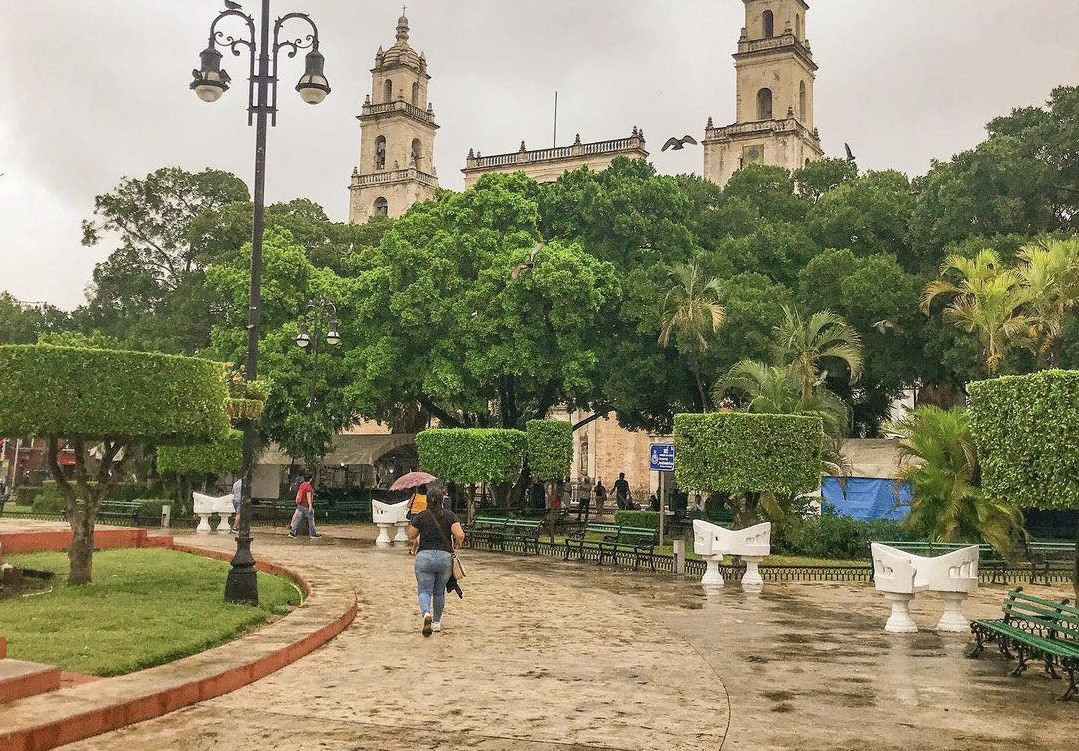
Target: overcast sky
(95, 90)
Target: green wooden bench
(346, 510)
(1034, 628)
(126, 511)
(496, 531)
(607, 540)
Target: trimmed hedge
(49, 500)
(217, 458)
(550, 448)
(66, 391)
(471, 455)
(738, 452)
(648, 519)
(1026, 429)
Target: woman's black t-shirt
(430, 539)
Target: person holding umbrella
(418, 502)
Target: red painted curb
(104, 719)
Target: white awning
(348, 450)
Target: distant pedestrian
(600, 494)
(305, 508)
(437, 533)
(653, 502)
(237, 501)
(621, 491)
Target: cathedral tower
(397, 135)
(775, 71)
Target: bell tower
(397, 135)
(774, 107)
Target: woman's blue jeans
(433, 569)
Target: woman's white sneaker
(436, 626)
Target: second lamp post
(325, 315)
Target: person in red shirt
(305, 508)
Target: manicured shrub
(217, 458)
(646, 519)
(830, 535)
(99, 393)
(550, 448)
(111, 399)
(738, 452)
(1026, 429)
(472, 455)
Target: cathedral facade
(397, 135)
(774, 98)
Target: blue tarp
(866, 498)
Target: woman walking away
(439, 533)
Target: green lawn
(144, 608)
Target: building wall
(400, 194)
(550, 171)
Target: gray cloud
(93, 90)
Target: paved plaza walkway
(545, 655)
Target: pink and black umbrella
(412, 480)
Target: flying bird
(232, 5)
(678, 143)
(850, 154)
(531, 263)
(821, 378)
(884, 326)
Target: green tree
(23, 324)
(104, 404)
(938, 458)
(691, 315)
(1049, 270)
(805, 343)
(988, 300)
(447, 325)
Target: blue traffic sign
(661, 457)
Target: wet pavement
(544, 655)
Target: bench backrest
(712, 539)
(638, 535)
(208, 504)
(1050, 617)
(489, 522)
(388, 513)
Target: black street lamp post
(209, 83)
(325, 316)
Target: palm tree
(1049, 270)
(691, 313)
(938, 458)
(803, 344)
(988, 300)
(777, 390)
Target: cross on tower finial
(404, 8)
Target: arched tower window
(415, 95)
(382, 206)
(583, 458)
(387, 91)
(380, 152)
(764, 104)
(798, 26)
(416, 153)
(807, 161)
(802, 101)
(769, 24)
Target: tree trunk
(745, 510)
(80, 554)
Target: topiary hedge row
(1026, 429)
(217, 458)
(68, 391)
(550, 448)
(472, 455)
(738, 452)
(645, 519)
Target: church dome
(401, 53)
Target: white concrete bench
(208, 505)
(900, 575)
(387, 516)
(712, 542)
